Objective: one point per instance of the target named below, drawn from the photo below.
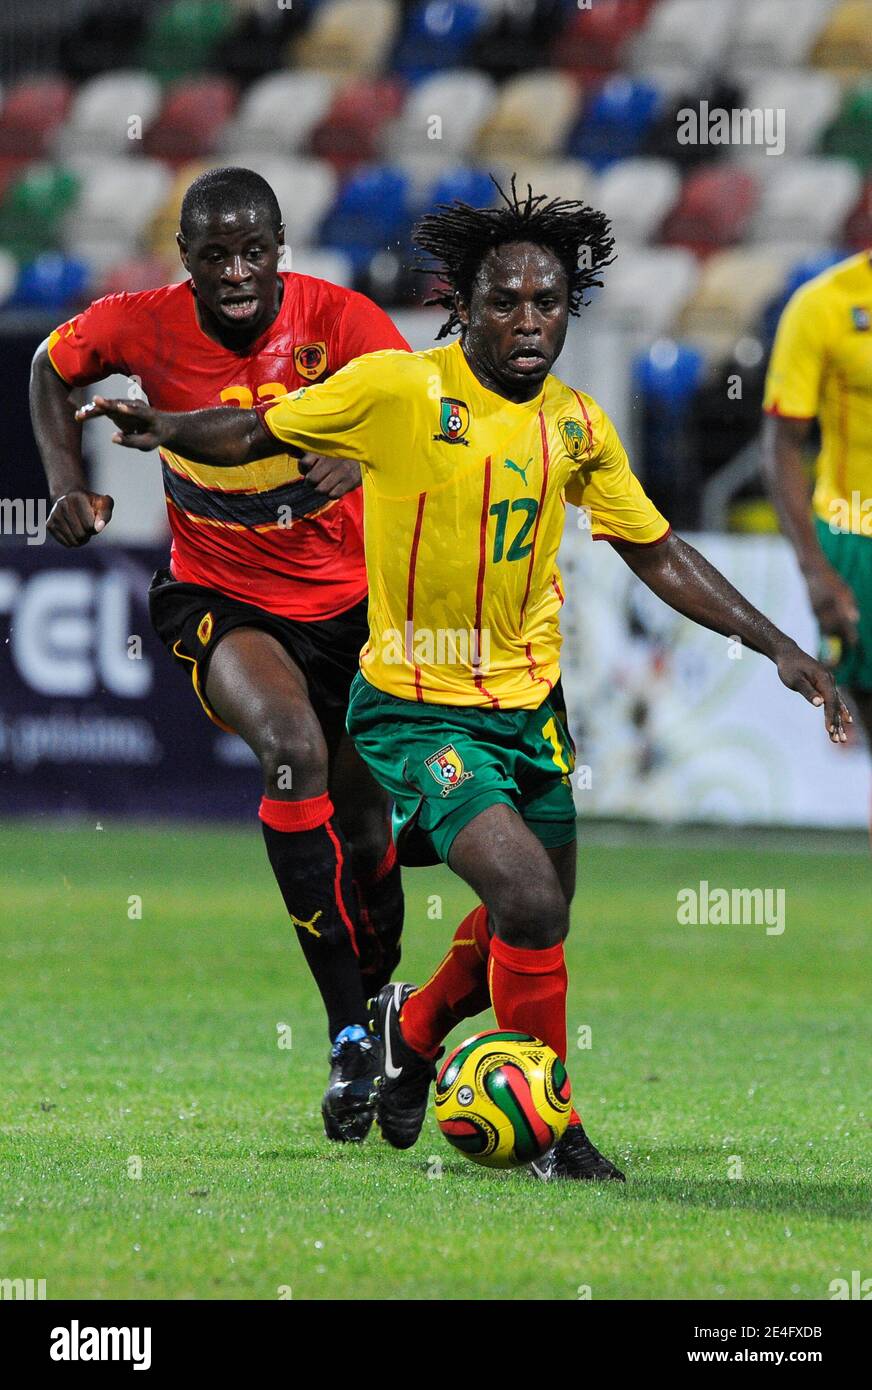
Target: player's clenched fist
(79, 515)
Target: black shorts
(191, 620)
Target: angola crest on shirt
(575, 437)
(453, 421)
(447, 767)
(311, 360)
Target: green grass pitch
(727, 1072)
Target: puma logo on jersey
(307, 926)
(510, 463)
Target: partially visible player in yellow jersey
(468, 454)
(821, 368)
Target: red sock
(528, 991)
(457, 989)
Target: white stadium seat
(646, 290)
(117, 200)
(805, 200)
(324, 265)
(637, 194)
(810, 102)
(776, 33)
(279, 113)
(689, 34)
(443, 113)
(109, 114)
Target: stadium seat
(857, 233)
(845, 45)
(32, 111)
(776, 33)
(260, 35)
(669, 373)
(646, 290)
(159, 236)
(513, 37)
(638, 194)
(117, 201)
(805, 200)
(279, 113)
(662, 142)
(181, 36)
(809, 100)
(438, 34)
(532, 117)
(191, 119)
(473, 186)
(714, 210)
(442, 115)
(306, 190)
(371, 214)
(594, 40)
(615, 121)
(348, 37)
(733, 289)
(324, 265)
(109, 114)
(99, 37)
(686, 34)
(52, 281)
(351, 131)
(850, 135)
(34, 204)
(556, 178)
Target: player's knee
(293, 759)
(531, 917)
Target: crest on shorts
(311, 360)
(576, 439)
(453, 421)
(204, 630)
(447, 768)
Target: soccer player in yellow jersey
(821, 368)
(469, 454)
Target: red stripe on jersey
(557, 589)
(410, 595)
(586, 416)
(479, 587)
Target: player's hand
(834, 604)
(810, 678)
(139, 426)
(332, 477)
(79, 515)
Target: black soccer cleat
(404, 1084)
(575, 1158)
(348, 1107)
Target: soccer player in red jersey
(264, 601)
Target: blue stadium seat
(437, 35)
(616, 121)
(371, 213)
(473, 186)
(51, 282)
(668, 373)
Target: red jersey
(260, 533)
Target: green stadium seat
(182, 36)
(33, 207)
(850, 135)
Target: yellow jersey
(464, 498)
(821, 367)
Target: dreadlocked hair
(458, 237)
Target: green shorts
(444, 764)
(851, 557)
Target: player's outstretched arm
(223, 436)
(77, 514)
(688, 583)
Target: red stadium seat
(350, 132)
(31, 113)
(714, 210)
(858, 228)
(593, 41)
(191, 120)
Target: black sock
(313, 870)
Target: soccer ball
(502, 1098)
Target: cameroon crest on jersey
(575, 437)
(453, 421)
